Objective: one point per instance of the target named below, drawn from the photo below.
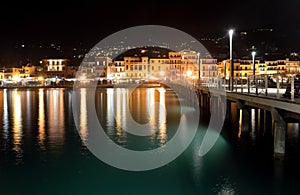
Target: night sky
(87, 22)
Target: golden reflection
(124, 106)
(17, 125)
(240, 124)
(5, 115)
(258, 119)
(253, 119)
(110, 111)
(55, 109)
(162, 134)
(145, 106)
(118, 113)
(83, 115)
(151, 108)
(41, 120)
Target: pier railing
(261, 85)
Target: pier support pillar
(279, 134)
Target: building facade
(244, 68)
(55, 67)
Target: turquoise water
(43, 153)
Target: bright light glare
(189, 73)
(230, 32)
(16, 78)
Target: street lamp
(253, 62)
(231, 59)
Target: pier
(272, 108)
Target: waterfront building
(11, 74)
(226, 64)
(87, 69)
(292, 67)
(208, 69)
(115, 70)
(71, 71)
(244, 68)
(55, 67)
(275, 67)
(101, 65)
(146, 63)
(174, 66)
(191, 67)
(158, 63)
(27, 71)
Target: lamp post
(224, 62)
(231, 60)
(253, 62)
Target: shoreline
(52, 86)
(146, 85)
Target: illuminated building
(115, 70)
(190, 65)
(55, 67)
(101, 65)
(244, 68)
(208, 69)
(156, 63)
(292, 67)
(11, 73)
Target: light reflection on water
(55, 121)
(83, 115)
(17, 125)
(5, 117)
(41, 120)
(144, 105)
(48, 125)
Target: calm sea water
(43, 153)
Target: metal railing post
(248, 85)
(278, 85)
(242, 86)
(235, 85)
(292, 89)
(266, 85)
(256, 86)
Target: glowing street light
(230, 32)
